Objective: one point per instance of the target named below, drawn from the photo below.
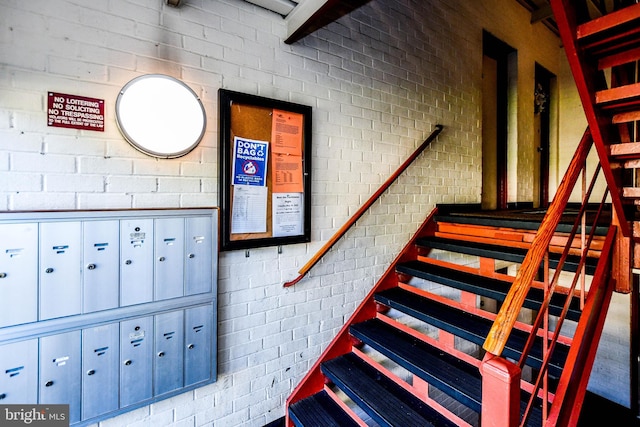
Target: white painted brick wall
(377, 90)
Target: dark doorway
(496, 77)
(542, 120)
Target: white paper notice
(249, 209)
(287, 214)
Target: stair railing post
(583, 235)
(545, 341)
(500, 392)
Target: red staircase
(411, 354)
(493, 319)
(602, 42)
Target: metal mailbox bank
(107, 311)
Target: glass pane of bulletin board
(265, 171)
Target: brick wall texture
(378, 81)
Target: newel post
(500, 392)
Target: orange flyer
(286, 150)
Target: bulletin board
(265, 171)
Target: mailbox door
(19, 373)
(169, 356)
(199, 263)
(136, 261)
(60, 376)
(18, 274)
(60, 252)
(198, 344)
(136, 357)
(100, 370)
(100, 265)
(169, 258)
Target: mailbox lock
(91, 267)
(49, 270)
(3, 395)
(192, 255)
(128, 262)
(48, 384)
(191, 346)
(161, 259)
(91, 372)
(128, 362)
(161, 354)
(137, 328)
(137, 229)
(3, 275)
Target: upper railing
(356, 216)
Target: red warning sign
(75, 112)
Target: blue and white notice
(250, 161)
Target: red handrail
(343, 230)
(506, 318)
(556, 277)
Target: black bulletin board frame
(250, 116)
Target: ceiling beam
(540, 14)
(311, 15)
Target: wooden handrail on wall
(507, 316)
(356, 216)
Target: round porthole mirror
(160, 116)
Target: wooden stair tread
(510, 236)
(498, 252)
(609, 21)
(487, 287)
(490, 232)
(467, 326)
(631, 164)
(625, 149)
(619, 58)
(519, 223)
(385, 402)
(626, 117)
(631, 192)
(621, 97)
(617, 30)
(319, 410)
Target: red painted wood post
(500, 392)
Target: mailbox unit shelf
(107, 311)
